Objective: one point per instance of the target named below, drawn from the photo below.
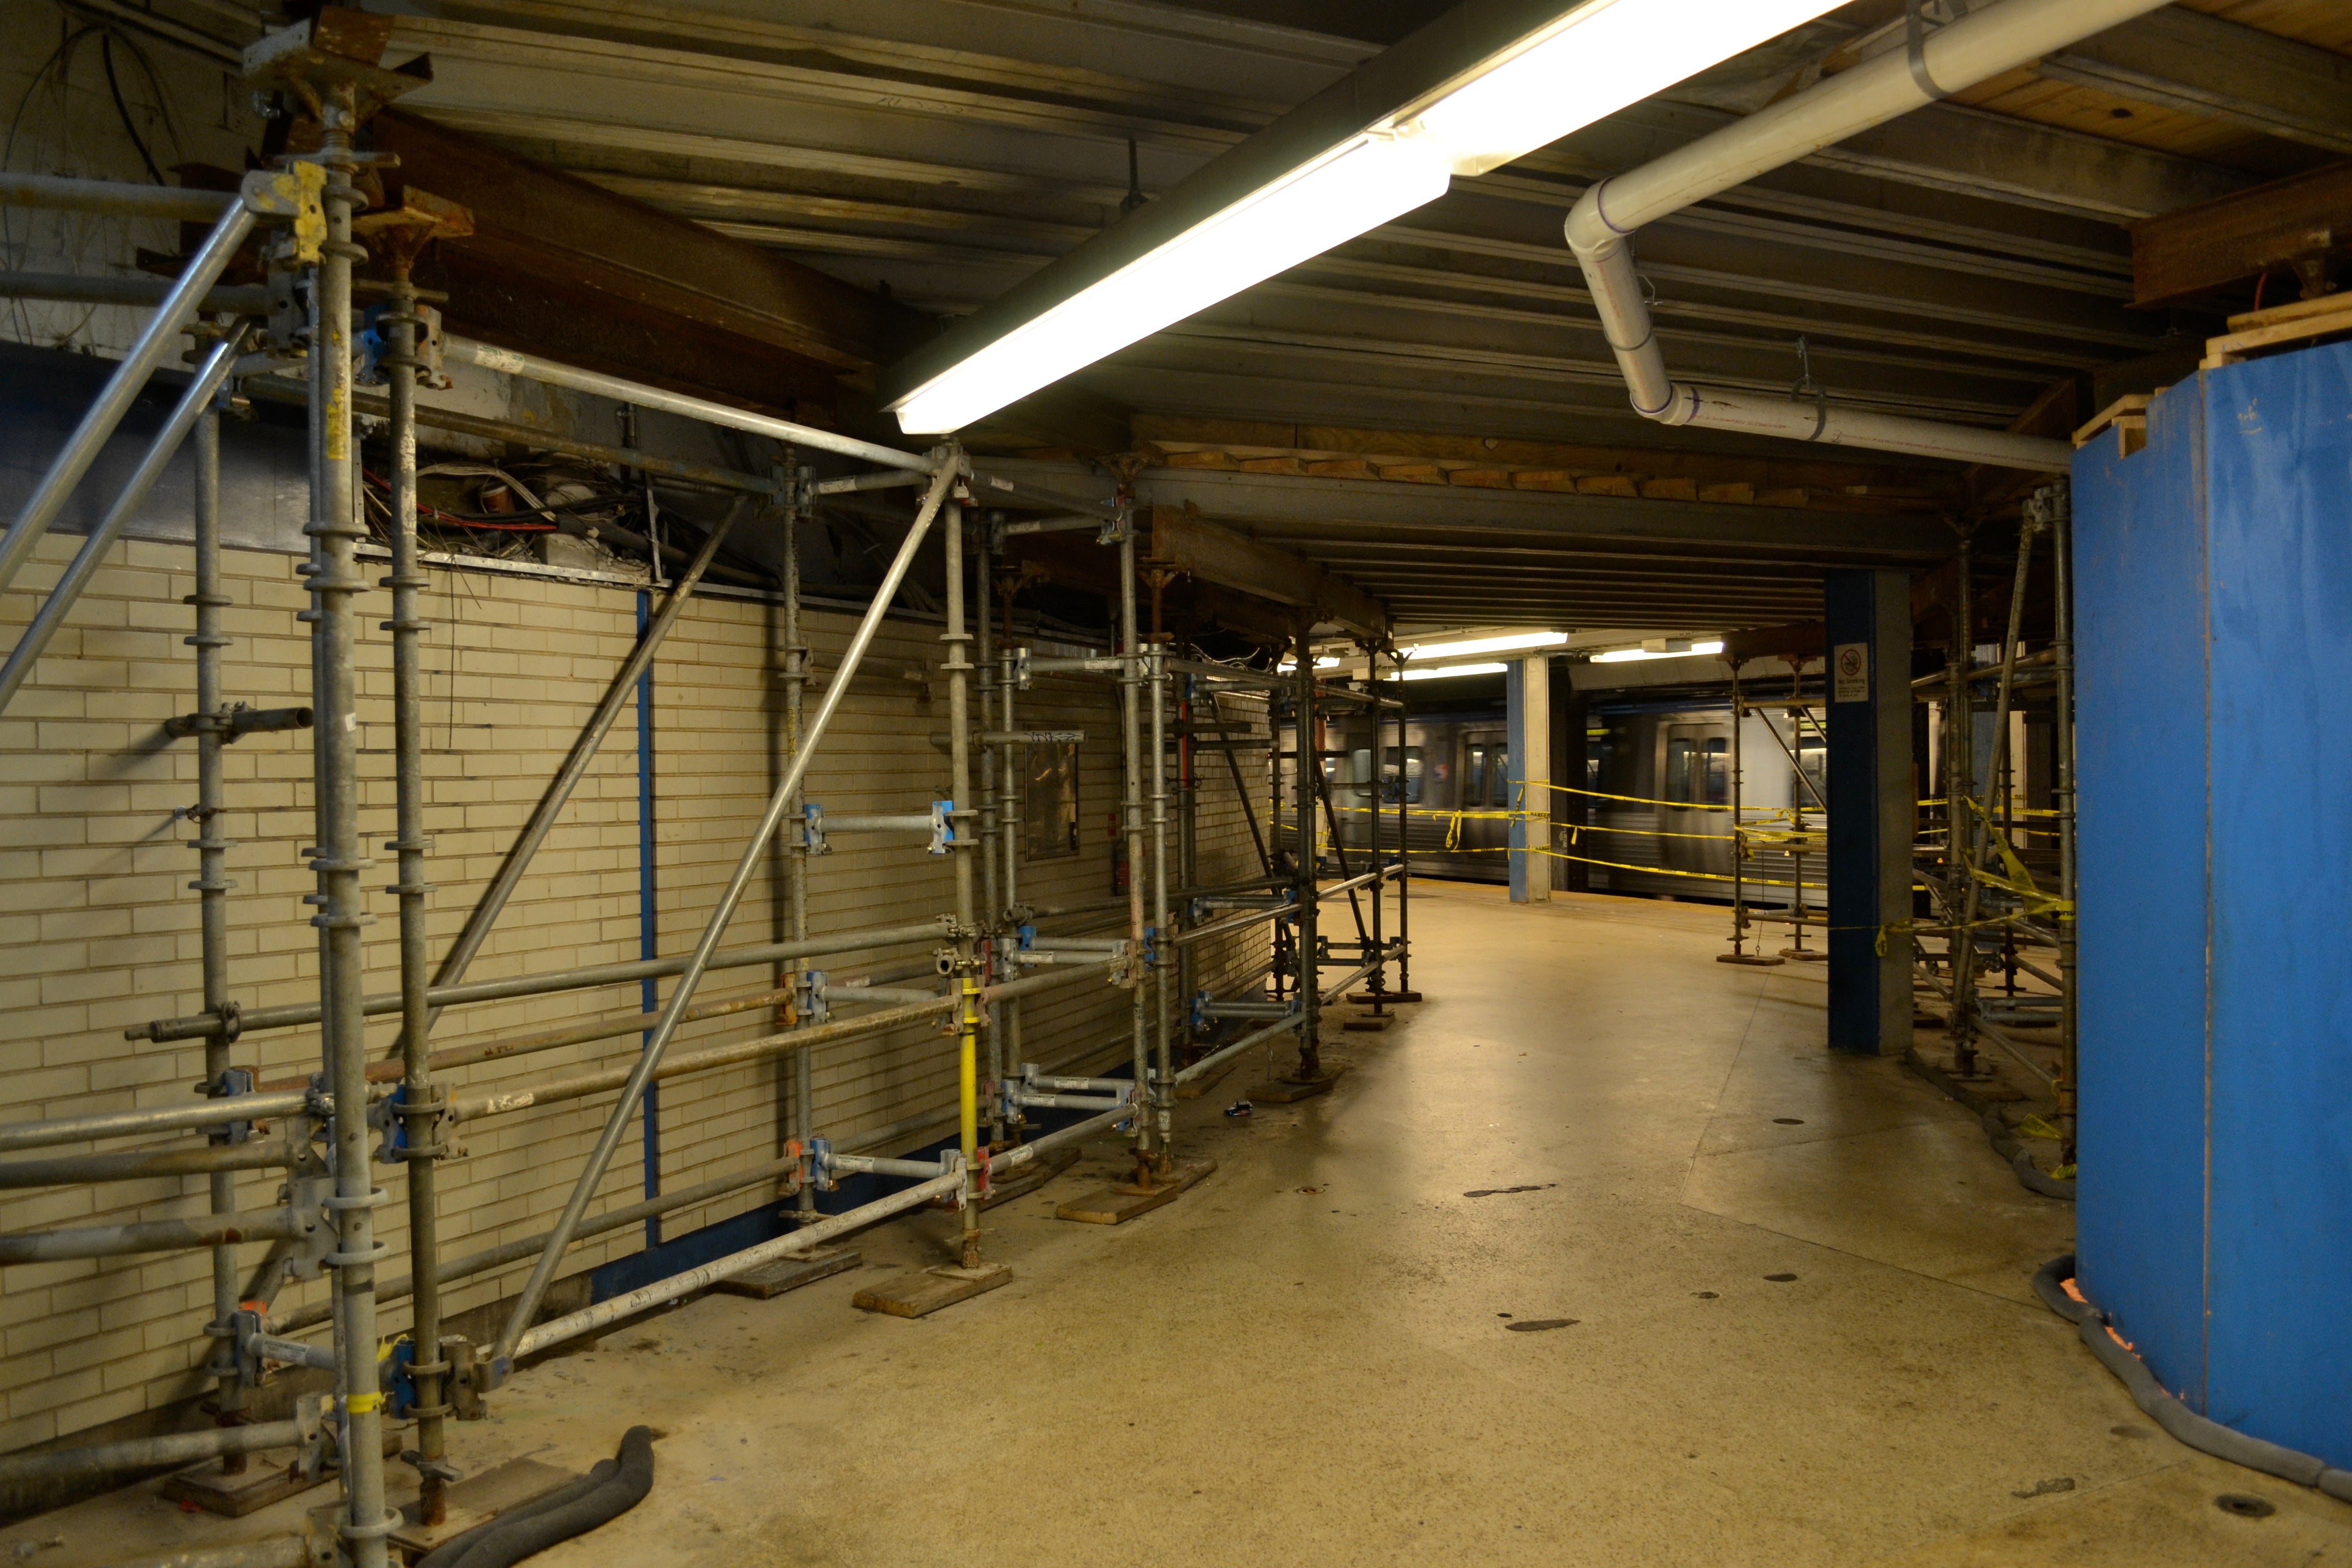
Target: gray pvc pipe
(1970, 50)
(138, 1164)
(2205, 1435)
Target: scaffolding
(326, 1132)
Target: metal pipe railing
(142, 292)
(586, 977)
(215, 1230)
(807, 1238)
(948, 466)
(488, 1259)
(141, 1165)
(530, 367)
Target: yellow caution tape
(363, 1403)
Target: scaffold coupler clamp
(813, 1002)
(816, 1165)
(813, 829)
(943, 832)
(232, 1082)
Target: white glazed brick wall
(99, 928)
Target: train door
(1697, 773)
(1485, 772)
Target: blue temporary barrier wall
(2213, 590)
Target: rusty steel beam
(2302, 223)
(1183, 541)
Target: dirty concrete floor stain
(1253, 1375)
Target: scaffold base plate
(265, 1480)
(1404, 996)
(1120, 1202)
(1756, 959)
(478, 1499)
(789, 1274)
(1371, 1023)
(1366, 998)
(920, 1294)
(1285, 1090)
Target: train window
(1814, 756)
(1474, 777)
(1680, 751)
(1499, 776)
(1411, 787)
(1717, 759)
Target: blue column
(648, 920)
(1868, 624)
(1527, 685)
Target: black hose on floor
(2029, 1175)
(2183, 1424)
(608, 1490)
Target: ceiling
(1432, 409)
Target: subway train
(1653, 817)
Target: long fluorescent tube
(1356, 187)
(1441, 672)
(1487, 645)
(1553, 71)
(1627, 654)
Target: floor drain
(2244, 1505)
(1781, 1279)
(1538, 1325)
(1790, 1121)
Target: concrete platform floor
(1791, 1291)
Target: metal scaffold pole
(1959, 835)
(1009, 1012)
(334, 582)
(2058, 503)
(960, 847)
(1130, 679)
(991, 850)
(796, 851)
(420, 1107)
(212, 885)
(1163, 953)
(1308, 979)
(1404, 990)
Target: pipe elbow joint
(1587, 228)
(1680, 405)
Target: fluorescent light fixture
(1593, 62)
(1354, 188)
(1487, 645)
(1322, 662)
(1627, 654)
(1442, 671)
(1475, 89)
